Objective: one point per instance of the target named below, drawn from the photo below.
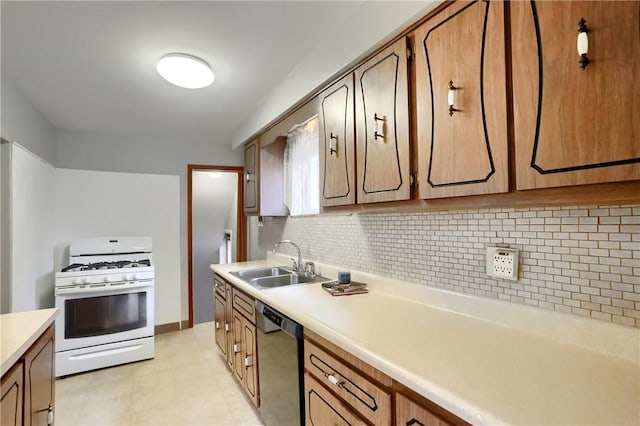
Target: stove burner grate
(107, 265)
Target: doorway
(216, 231)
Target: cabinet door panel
(576, 126)
(237, 346)
(39, 380)
(250, 360)
(11, 401)
(462, 151)
(322, 408)
(337, 162)
(229, 326)
(219, 323)
(382, 121)
(251, 177)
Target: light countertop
(19, 331)
(487, 361)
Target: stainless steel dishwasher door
(280, 368)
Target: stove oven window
(96, 316)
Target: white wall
(93, 204)
(23, 123)
(370, 23)
(5, 247)
(147, 154)
(32, 200)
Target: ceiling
(90, 66)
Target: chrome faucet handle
(295, 266)
(310, 269)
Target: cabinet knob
(236, 348)
(247, 362)
(583, 43)
(227, 327)
(217, 325)
(249, 177)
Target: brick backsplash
(580, 260)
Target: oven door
(104, 316)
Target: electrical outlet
(503, 262)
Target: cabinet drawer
(409, 413)
(219, 285)
(245, 305)
(322, 408)
(366, 397)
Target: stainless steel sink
(282, 280)
(250, 274)
(278, 276)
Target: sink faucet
(297, 265)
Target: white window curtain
(302, 169)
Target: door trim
(241, 245)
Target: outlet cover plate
(503, 263)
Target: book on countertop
(334, 288)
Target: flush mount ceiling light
(185, 71)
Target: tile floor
(187, 383)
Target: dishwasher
(280, 368)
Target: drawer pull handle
(247, 362)
(333, 379)
(227, 327)
(217, 325)
(235, 348)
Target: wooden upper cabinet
(264, 178)
(462, 150)
(382, 126)
(337, 152)
(576, 126)
(251, 178)
(271, 186)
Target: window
(302, 169)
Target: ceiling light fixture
(185, 71)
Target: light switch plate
(503, 262)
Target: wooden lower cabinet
(12, 394)
(39, 383)
(28, 388)
(235, 335)
(341, 389)
(219, 324)
(410, 413)
(323, 408)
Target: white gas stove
(105, 297)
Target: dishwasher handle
(286, 324)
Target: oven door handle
(110, 287)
